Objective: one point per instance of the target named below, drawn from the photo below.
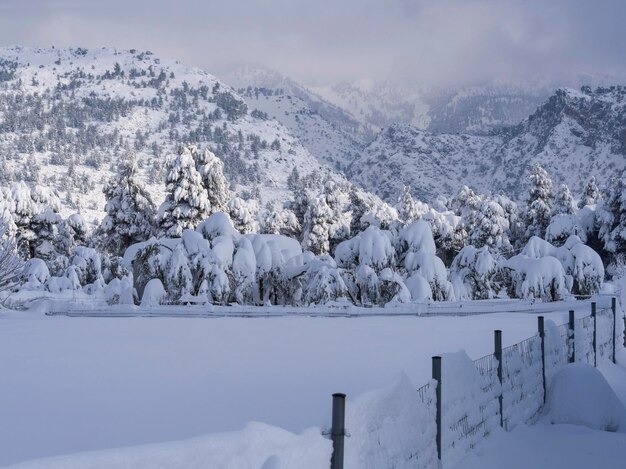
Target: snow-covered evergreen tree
(591, 193)
(211, 168)
(539, 210)
(186, 202)
(485, 221)
(564, 201)
(130, 210)
(611, 218)
(316, 233)
(408, 208)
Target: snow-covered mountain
(329, 132)
(574, 134)
(468, 109)
(68, 116)
(379, 103)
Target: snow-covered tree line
(330, 242)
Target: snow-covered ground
(79, 384)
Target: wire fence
(469, 400)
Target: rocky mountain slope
(69, 116)
(574, 134)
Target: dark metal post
(437, 376)
(595, 330)
(572, 326)
(497, 336)
(338, 430)
(614, 310)
(542, 335)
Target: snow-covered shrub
(418, 287)
(35, 274)
(583, 268)
(526, 277)
(153, 294)
(323, 282)
(243, 214)
(417, 253)
(149, 260)
(120, 291)
(244, 270)
(88, 265)
(472, 274)
(392, 288)
(366, 256)
(178, 278)
(586, 267)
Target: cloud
(425, 42)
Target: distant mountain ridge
(574, 134)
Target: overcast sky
(426, 42)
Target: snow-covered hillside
(329, 132)
(574, 134)
(69, 116)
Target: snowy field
(78, 384)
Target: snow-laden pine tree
(129, 210)
(408, 208)
(486, 222)
(186, 202)
(211, 168)
(564, 202)
(317, 221)
(611, 218)
(591, 193)
(539, 209)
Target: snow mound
(580, 395)
(257, 446)
(390, 427)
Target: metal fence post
(338, 430)
(595, 331)
(614, 310)
(437, 376)
(572, 328)
(497, 336)
(542, 334)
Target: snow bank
(257, 446)
(390, 427)
(580, 395)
